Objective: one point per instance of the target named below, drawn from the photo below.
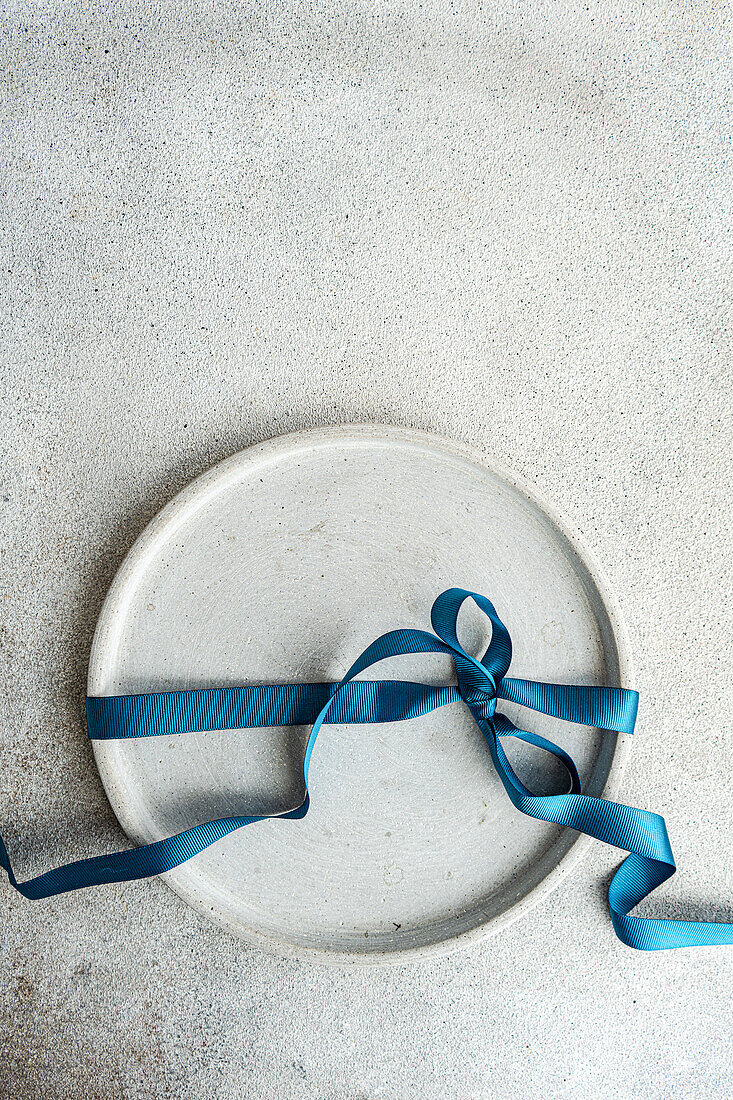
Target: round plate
(281, 564)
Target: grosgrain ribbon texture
(480, 686)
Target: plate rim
(197, 492)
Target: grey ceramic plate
(283, 563)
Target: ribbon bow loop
(444, 620)
(478, 680)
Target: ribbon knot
(481, 704)
(478, 692)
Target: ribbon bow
(480, 685)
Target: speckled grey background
(505, 223)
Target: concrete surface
(504, 223)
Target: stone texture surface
(505, 223)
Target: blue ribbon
(480, 684)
